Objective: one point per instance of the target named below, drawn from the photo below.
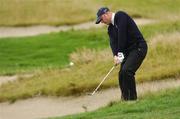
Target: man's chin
(107, 23)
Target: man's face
(106, 19)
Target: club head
(90, 94)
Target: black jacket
(124, 34)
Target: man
(128, 46)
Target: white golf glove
(119, 58)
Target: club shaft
(103, 80)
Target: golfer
(128, 46)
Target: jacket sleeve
(121, 22)
(113, 44)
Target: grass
(161, 105)
(162, 58)
(66, 12)
(51, 12)
(92, 65)
(28, 54)
(160, 10)
(45, 51)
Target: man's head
(104, 16)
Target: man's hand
(119, 58)
(116, 60)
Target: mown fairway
(162, 105)
(61, 12)
(45, 51)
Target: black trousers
(129, 66)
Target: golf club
(102, 81)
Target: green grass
(161, 105)
(91, 65)
(61, 12)
(45, 51)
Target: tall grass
(51, 12)
(163, 58)
(65, 12)
(161, 9)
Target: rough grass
(161, 9)
(162, 59)
(161, 105)
(51, 12)
(61, 12)
(90, 67)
